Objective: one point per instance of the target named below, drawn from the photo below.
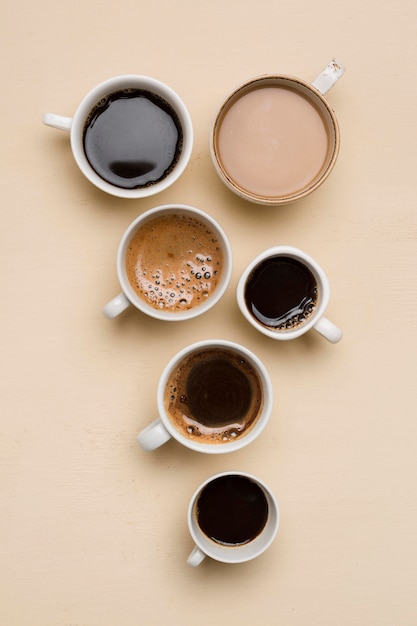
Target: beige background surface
(93, 530)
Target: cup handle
(57, 121)
(196, 557)
(153, 436)
(116, 306)
(329, 76)
(328, 330)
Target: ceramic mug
(214, 396)
(174, 262)
(284, 293)
(233, 517)
(131, 136)
(275, 138)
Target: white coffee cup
(76, 124)
(230, 552)
(129, 296)
(314, 319)
(275, 138)
(201, 438)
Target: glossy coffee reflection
(214, 395)
(131, 135)
(133, 138)
(281, 292)
(284, 293)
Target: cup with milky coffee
(233, 517)
(284, 293)
(275, 138)
(131, 136)
(214, 396)
(174, 262)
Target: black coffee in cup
(281, 293)
(214, 395)
(132, 138)
(232, 510)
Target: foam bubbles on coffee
(174, 262)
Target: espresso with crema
(174, 262)
(272, 141)
(214, 396)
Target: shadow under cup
(274, 140)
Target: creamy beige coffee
(214, 395)
(274, 140)
(174, 261)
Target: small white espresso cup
(242, 518)
(214, 396)
(99, 94)
(284, 293)
(184, 246)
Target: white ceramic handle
(116, 306)
(196, 557)
(329, 76)
(328, 330)
(57, 121)
(153, 436)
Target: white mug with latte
(275, 138)
(131, 136)
(214, 396)
(174, 262)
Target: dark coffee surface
(232, 510)
(281, 293)
(218, 392)
(132, 138)
(214, 396)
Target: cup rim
(288, 198)
(217, 294)
(108, 86)
(262, 420)
(235, 554)
(319, 274)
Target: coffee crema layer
(281, 293)
(174, 262)
(232, 510)
(272, 141)
(214, 396)
(132, 138)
